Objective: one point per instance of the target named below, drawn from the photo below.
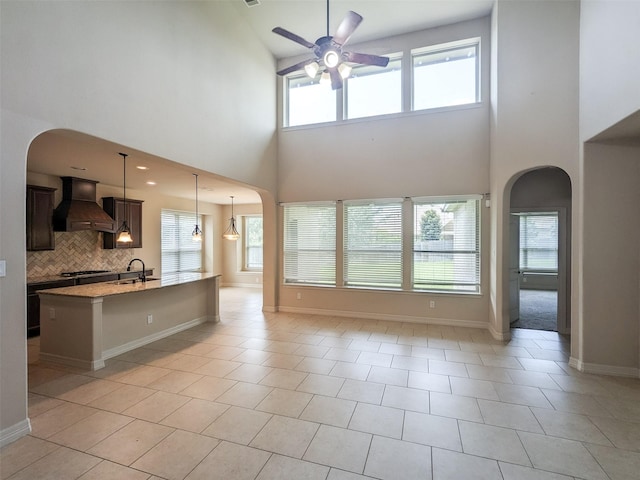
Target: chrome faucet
(142, 277)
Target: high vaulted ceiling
(308, 18)
(55, 153)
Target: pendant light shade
(231, 233)
(196, 235)
(124, 232)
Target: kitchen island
(84, 325)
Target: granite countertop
(57, 278)
(119, 287)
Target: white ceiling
(308, 18)
(56, 152)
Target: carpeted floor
(538, 310)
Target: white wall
(232, 273)
(412, 154)
(611, 281)
(609, 79)
(186, 81)
(609, 63)
(534, 114)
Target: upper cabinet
(40, 218)
(119, 210)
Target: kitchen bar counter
(121, 287)
(84, 325)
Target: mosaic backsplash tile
(77, 251)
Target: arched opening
(540, 251)
(159, 184)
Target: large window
(308, 101)
(252, 242)
(370, 253)
(374, 90)
(373, 244)
(310, 243)
(539, 241)
(445, 76)
(179, 252)
(446, 246)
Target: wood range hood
(78, 209)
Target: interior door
(514, 268)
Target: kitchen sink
(130, 281)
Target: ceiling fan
(329, 53)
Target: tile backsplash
(77, 251)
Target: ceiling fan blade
(336, 79)
(293, 36)
(346, 28)
(366, 59)
(296, 67)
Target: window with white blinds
(252, 242)
(310, 243)
(373, 244)
(539, 241)
(446, 246)
(179, 252)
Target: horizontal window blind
(446, 247)
(539, 241)
(252, 239)
(310, 243)
(179, 252)
(373, 244)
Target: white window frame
(408, 248)
(379, 272)
(245, 244)
(463, 255)
(315, 255)
(341, 100)
(525, 265)
(443, 48)
(187, 249)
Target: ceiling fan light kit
(329, 56)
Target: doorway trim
(563, 321)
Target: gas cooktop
(82, 272)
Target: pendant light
(196, 235)
(231, 233)
(124, 232)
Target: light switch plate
(3, 268)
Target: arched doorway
(539, 247)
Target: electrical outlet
(432, 304)
(3, 268)
(299, 296)
(52, 314)
(149, 319)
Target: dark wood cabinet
(33, 302)
(131, 211)
(40, 234)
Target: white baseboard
(600, 369)
(140, 342)
(497, 335)
(242, 285)
(72, 362)
(13, 433)
(384, 316)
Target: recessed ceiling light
(142, 167)
(151, 183)
(78, 168)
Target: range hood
(78, 209)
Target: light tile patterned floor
(287, 396)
